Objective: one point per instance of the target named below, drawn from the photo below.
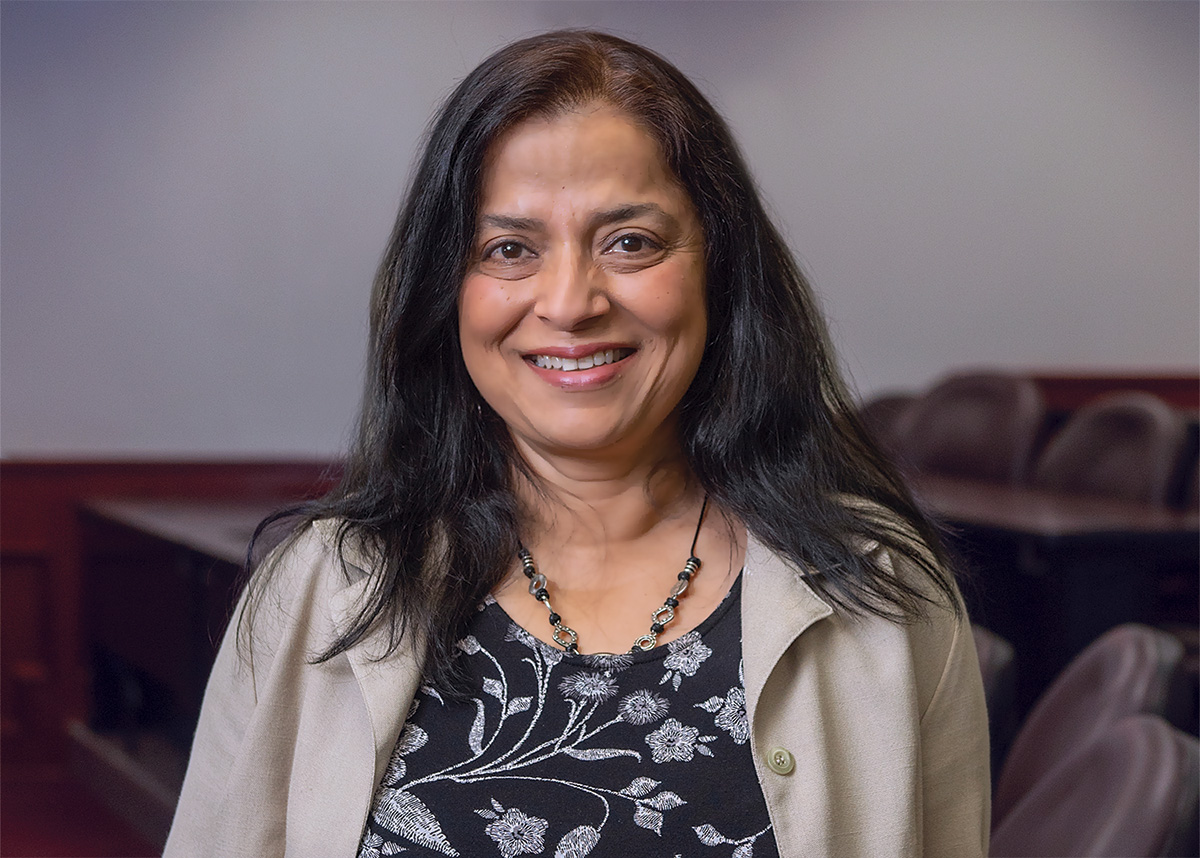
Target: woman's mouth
(571, 364)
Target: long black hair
(767, 426)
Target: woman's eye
(508, 259)
(507, 251)
(633, 244)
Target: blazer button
(781, 761)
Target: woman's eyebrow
(627, 212)
(595, 221)
(516, 224)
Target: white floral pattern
(687, 653)
(742, 847)
(675, 742)
(588, 686)
(732, 717)
(553, 733)
(731, 713)
(643, 707)
(515, 833)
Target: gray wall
(194, 195)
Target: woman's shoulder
(938, 637)
(898, 550)
(782, 593)
(298, 584)
(325, 551)
(308, 556)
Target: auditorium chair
(1125, 445)
(1129, 670)
(881, 414)
(1130, 793)
(977, 425)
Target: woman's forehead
(596, 152)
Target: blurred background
(194, 196)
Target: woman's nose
(571, 293)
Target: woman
(612, 569)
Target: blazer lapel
(777, 606)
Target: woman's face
(582, 316)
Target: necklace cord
(699, 523)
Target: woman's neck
(597, 502)
(612, 542)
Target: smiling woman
(600, 395)
(582, 320)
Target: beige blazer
(884, 724)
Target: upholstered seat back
(979, 425)
(1126, 445)
(1130, 793)
(1129, 670)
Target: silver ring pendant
(645, 642)
(662, 616)
(571, 637)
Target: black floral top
(642, 754)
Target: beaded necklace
(567, 638)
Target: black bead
(656, 627)
(573, 648)
(672, 602)
(541, 595)
(685, 575)
(554, 618)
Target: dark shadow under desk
(1050, 572)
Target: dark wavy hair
(767, 425)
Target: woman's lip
(581, 379)
(576, 351)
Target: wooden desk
(1046, 515)
(1050, 572)
(219, 530)
(159, 580)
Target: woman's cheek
(484, 306)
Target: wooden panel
(23, 632)
(1065, 392)
(44, 669)
(24, 657)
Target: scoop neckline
(629, 657)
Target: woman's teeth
(586, 362)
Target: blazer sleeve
(956, 781)
(234, 794)
(229, 704)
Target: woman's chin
(592, 442)
(582, 445)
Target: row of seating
(987, 426)
(1096, 768)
